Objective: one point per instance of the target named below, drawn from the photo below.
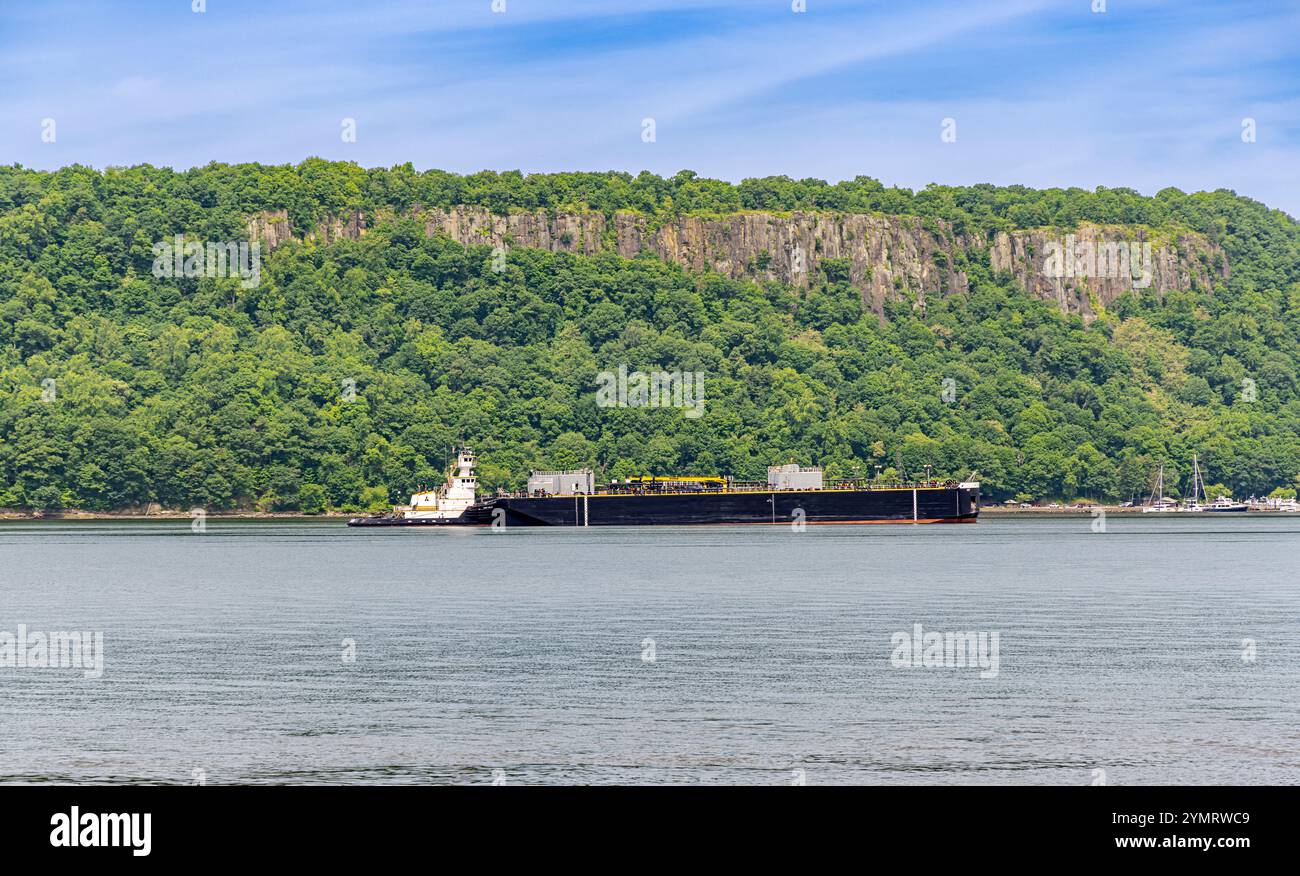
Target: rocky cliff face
(1093, 265)
(887, 256)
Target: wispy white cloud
(1148, 94)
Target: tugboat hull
(475, 515)
(388, 520)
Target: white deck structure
(451, 499)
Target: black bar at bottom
(336, 824)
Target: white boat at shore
(1225, 504)
(1159, 503)
(1284, 506)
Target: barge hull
(921, 505)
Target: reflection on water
(529, 652)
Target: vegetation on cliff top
(118, 388)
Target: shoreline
(991, 511)
(74, 514)
(179, 515)
(1082, 509)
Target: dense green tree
(345, 376)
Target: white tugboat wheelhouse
(451, 499)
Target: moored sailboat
(1221, 504)
(1198, 489)
(1159, 502)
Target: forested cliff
(397, 312)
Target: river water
(1158, 651)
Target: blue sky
(1148, 94)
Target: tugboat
(455, 503)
